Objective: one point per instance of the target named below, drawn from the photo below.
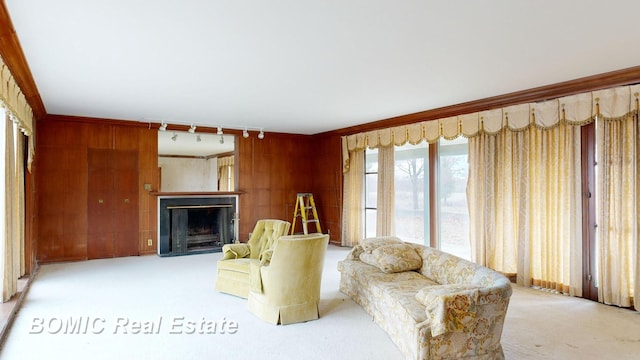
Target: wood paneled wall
(327, 183)
(270, 172)
(273, 170)
(62, 186)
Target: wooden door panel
(125, 244)
(126, 181)
(112, 203)
(101, 180)
(100, 221)
(126, 213)
(99, 204)
(100, 245)
(125, 159)
(126, 210)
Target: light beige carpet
(168, 308)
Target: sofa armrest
(450, 308)
(235, 251)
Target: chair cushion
(238, 265)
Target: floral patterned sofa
(432, 304)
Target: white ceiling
(302, 66)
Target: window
(412, 189)
(412, 192)
(453, 213)
(371, 192)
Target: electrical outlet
(149, 242)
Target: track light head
(163, 127)
(219, 131)
(261, 134)
(192, 129)
(245, 133)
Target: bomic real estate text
(127, 326)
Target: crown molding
(622, 77)
(14, 58)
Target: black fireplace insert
(191, 225)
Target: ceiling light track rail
(219, 131)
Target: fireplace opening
(189, 226)
(203, 229)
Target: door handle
(126, 201)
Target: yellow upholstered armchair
(285, 289)
(233, 269)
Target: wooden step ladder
(305, 206)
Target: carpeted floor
(166, 308)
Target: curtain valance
(609, 104)
(14, 100)
(226, 161)
(15, 103)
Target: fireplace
(194, 225)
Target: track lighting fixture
(220, 131)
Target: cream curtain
(575, 109)
(618, 224)
(18, 117)
(525, 205)
(555, 206)
(19, 243)
(14, 101)
(6, 203)
(226, 181)
(353, 201)
(14, 221)
(385, 199)
(524, 188)
(494, 194)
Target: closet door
(112, 203)
(100, 199)
(126, 231)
